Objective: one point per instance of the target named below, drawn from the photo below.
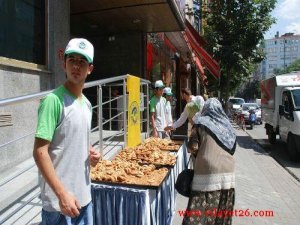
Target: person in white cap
(62, 150)
(158, 111)
(169, 96)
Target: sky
(287, 15)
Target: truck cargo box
(268, 87)
(280, 97)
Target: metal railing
(103, 102)
(109, 82)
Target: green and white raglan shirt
(65, 121)
(158, 106)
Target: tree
(250, 91)
(234, 30)
(295, 66)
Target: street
(278, 151)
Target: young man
(62, 150)
(158, 111)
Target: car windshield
(237, 101)
(296, 97)
(250, 106)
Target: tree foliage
(295, 66)
(250, 91)
(234, 29)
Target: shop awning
(196, 42)
(199, 65)
(197, 62)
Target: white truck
(280, 103)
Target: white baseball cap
(159, 84)
(168, 91)
(81, 46)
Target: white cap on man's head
(81, 46)
(159, 84)
(168, 91)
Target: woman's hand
(193, 143)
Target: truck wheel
(292, 150)
(271, 137)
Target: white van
(235, 105)
(280, 102)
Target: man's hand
(69, 205)
(169, 128)
(94, 156)
(154, 133)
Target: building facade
(281, 51)
(34, 34)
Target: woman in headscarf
(212, 143)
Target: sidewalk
(261, 184)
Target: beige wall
(19, 78)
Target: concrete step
(27, 210)
(13, 186)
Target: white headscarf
(195, 106)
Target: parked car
(235, 105)
(258, 101)
(246, 107)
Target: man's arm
(68, 204)
(154, 130)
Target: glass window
(22, 30)
(296, 97)
(236, 101)
(249, 106)
(285, 102)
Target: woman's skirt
(210, 208)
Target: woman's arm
(194, 141)
(183, 117)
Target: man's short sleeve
(49, 114)
(152, 105)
